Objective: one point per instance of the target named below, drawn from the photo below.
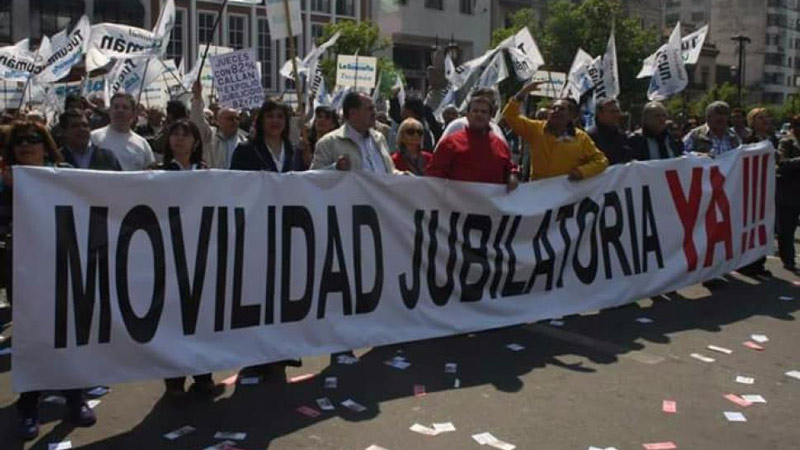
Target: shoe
(28, 428)
(81, 415)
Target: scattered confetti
(98, 391)
(331, 383)
(64, 445)
(515, 347)
(450, 368)
(752, 398)
(753, 345)
(745, 380)
(303, 377)
(793, 374)
(644, 320)
(660, 446)
(720, 349)
(738, 400)
(182, 431)
(703, 358)
(308, 411)
(760, 338)
(234, 435)
(735, 416)
(325, 404)
(419, 390)
(669, 406)
(353, 406)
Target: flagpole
(28, 80)
(355, 77)
(208, 44)
(175, 77)
(293, 56)
(144, 77)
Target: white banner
(524, 53)
(66, 51)
(691, 46)
(554, 83)
(17, 62)
(122, 282)
(238, 79)
(356, 71)
(578, 79)
(276, 18)
(669, 72)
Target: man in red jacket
(475, 153)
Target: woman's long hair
(272, 104)
(185, 125)
(22, 127)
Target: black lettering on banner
(141, 217)
(498, 259)
(269, 297)
(334, 281)
(586, 273)
(365, 216)
(68, 262)
(222, 267)
(511, 286)
(632, 229)
(242, 316)
(294, 310)
(441, 294)
(610, 235)
(411, 295)
(564, 213)
(544, 266)
(475, 256)
(190, 296)
(650, 241)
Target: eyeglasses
(28, 138)
(414, 131)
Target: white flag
(691, 46)
(578, 80)
(129, 76)
(611, 68)
(524, 53)
(669, 73)
(308, 65)
(66, 50)
(17, 62)
(277, 20)
(494, 73)
(398, 83)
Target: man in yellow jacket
(557, 147)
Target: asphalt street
(598, 379)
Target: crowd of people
(410, 139)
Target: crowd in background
(411, 138)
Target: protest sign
(356, 71)
(238, 79)
(691, 46)
(127, 284)
(554, 83)
(669, 71)
(276, 18)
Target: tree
(567, 26)
(361, 37)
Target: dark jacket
(788, 173)
(640, 146)
(174, 166)
(102, 159)
(433, 129)
(252, 155)
(612, 142)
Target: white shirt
(371, 158)
(278, 160)
(461, 123)
(132, 151)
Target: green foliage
(362, 37)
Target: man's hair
(718, 107)
(735, 111)
(351, 101)
(66, 116)
(416, 106)
(650, 107)
(480, 99)
(176, 110)
(125, 96)
(488, 95)
(603, 103)
(72, 98)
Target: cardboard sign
(356, 71)
(238, 79)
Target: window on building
(264, 52)
(205, 28)
(5, 21)
(49, 17)
(323, 6)
(346, 7)
(672, 19)
(467, 6)
(237, 31)
(177, 40)
(434, 4)
(698, 16)
(773, 78)
(705, 73)
(774, 59)
(317, 30)
(117, 11)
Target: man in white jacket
(218, 142)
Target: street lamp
(742, 40)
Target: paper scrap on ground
(738, 400)
(753, 345)
(785, 298)
(669, 406)
(793, 374)
(57, 399)
(331, 382)
(224, 445)
(182, 431)
(720, 349)
(92, 403)
(353, 406)
(376, 447)
(488, 439)
(398, 364)
(234, 435)
(644, 320)
(760, 338)
(450, 368)
(231, 380)
(660, 446)
(457, 383)
(64, 445)
(753, 398)
(99, 391)
(745, 380)
(419, 390)
(557, 323)
(422, 429)
(515, 347)
(703, 358)
(250, 380)
(346, 359)
(444, 427)
(735, 416)
(302, 377)
(325, 404)
(308, 411)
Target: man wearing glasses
(218, 142)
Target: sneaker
(81, 415)
(28, 428)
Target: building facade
(772, 58)
(241, 25)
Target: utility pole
(742, 40)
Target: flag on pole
(669, 72)
(691, 46)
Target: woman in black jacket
(270, 150)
